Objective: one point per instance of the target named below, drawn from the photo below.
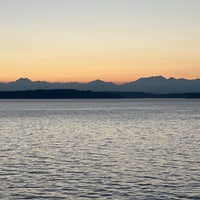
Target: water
(100, 149)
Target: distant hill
(77, 94)
(154, 84)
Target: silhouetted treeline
(77, 94)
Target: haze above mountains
(154, 84)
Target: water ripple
(100, 149)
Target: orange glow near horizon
(114, 66)
(118, 41)
(87, 76)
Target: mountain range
(154, 84)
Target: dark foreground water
(100, 149)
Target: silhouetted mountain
(159, 84)
(23, 81)
(99, 85)
(154, 84)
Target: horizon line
(98, 79)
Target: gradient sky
(113, 40)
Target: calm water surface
(100, 149)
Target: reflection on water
(103, 149)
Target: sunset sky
(112, 40)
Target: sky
(112, 40)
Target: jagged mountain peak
(23, 80)
(97, 81)
(154, 78)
